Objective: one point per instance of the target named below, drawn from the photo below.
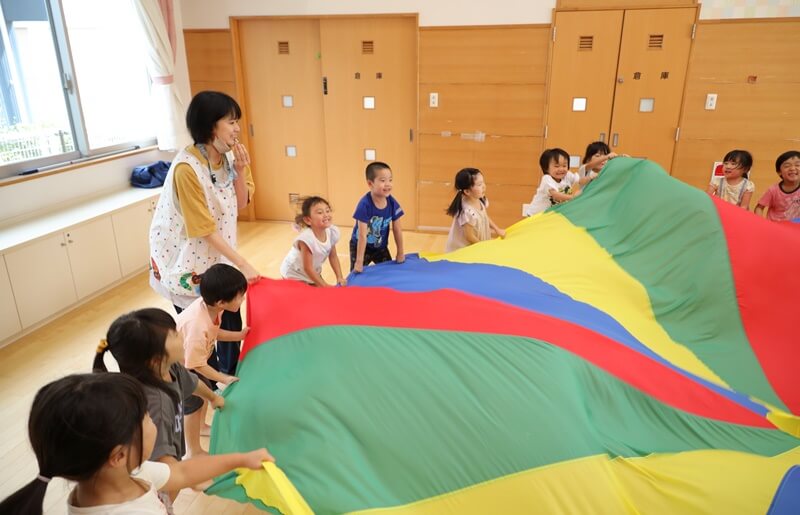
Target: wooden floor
(66, 345)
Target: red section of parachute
(769, 312)
(289, 306)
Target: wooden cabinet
(618, 77)
(92, 256)
(9, 322)
(131, 230)
(41, 278)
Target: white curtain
(156, 17)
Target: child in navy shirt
(374, 213)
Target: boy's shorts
(371, 255)
(194, 403)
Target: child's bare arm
(169, 460)
(712, 189)
(759, 210)
(333, 258)
(397, 230)
(361, 247)
(563, 197)
(308, 265)
(496, 228)
(214, 375)
(224, 335)
(204, 392)
(202, 468)
(745, 202)
(470, 234)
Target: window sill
(75, 165)
(31, 229)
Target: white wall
(214, 14)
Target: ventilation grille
(283, 47)
(367, 47)
(585, 42)
(656, 41)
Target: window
(73, 82)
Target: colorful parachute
(632, 351)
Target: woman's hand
(250, 273)
(241, 158)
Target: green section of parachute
(366, 417)
(677, 250)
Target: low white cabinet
(9, 321)
(132, 230)
(41, 278)
(93, 256)
(52, 263)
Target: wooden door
(283, 98)
(654, 56)
(93, 256)
(582, 78)
(370, 58)
(41, 278)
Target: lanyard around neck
(226, 164)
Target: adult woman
(194, 225)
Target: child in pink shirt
(222, 288)
(782, 200)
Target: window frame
(72, 101)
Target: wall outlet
(711, 101)
(433, 100)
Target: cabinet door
(41, 278)
(582, 78)
(9, 322)
(93, 256)
(131, 231)
(653, 58)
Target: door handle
(324, 85)
(603, 137)
(615, 139)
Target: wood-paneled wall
(209, 56)
(491, 81)
(760, 115)
(210, 59)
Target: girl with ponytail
(147, 346)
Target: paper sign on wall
(717, 170)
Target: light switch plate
(711, 101)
